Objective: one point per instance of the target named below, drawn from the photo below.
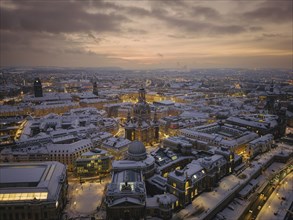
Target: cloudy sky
(146, 34)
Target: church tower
(129, 128)
(38, 89)
(271, 99)
(141, 126)
(156, 127)
(141, 108)
(95, 88)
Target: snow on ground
(84, 198)
(275, 204)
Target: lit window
(23, 196)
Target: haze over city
(147, 34)
(146, 110)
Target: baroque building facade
(141, 127)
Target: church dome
(136, 151)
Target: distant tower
(271, 99)
(95, 89)
(156, 126)
(38, 89)
(272, 86)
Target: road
(278, 205)
(261, 198)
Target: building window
(231, 157)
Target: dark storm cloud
(206, 12)
(96, 33)
(271, 11)
(42, 43)
(202, 27)
(57, 17)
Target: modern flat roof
(30, 181)
(21, 174)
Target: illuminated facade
(93, 162)
(186, 184)
(32, 191)
(233, 137)
(126, 194)
(141, 127)
(64, 153)
(260, 145)
(199, 175)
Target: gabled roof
(126, 201)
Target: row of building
(141, 175)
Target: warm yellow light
(23, 196)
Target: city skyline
(146, 35)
